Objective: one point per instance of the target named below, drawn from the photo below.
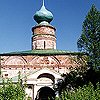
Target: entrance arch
(45, 93)
(47, 75)
(43, 78)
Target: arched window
(44, 44)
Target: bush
(11, 91)
(87, 92)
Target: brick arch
(47, 75)
(69, 62)
(42, 61)
(15, 60)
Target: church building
(43, 65)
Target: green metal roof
(42, 52)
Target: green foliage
(90, 37)
(72, 80)
(11, 91)
(77, 78)
(29, 98)
(87, 92)
(76, 81)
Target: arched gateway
(45, 93)
(41, 83)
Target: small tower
(43, 33)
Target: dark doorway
(45, 93)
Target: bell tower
(43, 34)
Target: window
(44, 44)
(6, 74)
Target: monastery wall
(11, 65)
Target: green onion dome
(43, 15)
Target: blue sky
(16, 21)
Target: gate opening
(45, 93)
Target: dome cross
(43, 3)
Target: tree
(87, 92)
(75, 85)
(89, 40)
(12, 91)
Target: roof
(42, 52)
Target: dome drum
(44, 42)
(46, 28)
